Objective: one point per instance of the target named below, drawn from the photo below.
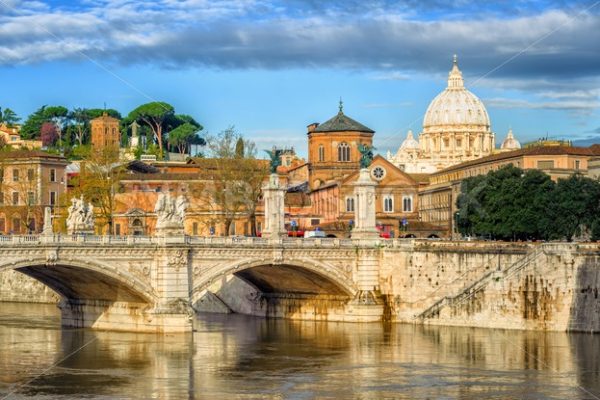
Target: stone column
(364, 193)
(47, 230)
(274, 195)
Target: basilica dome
(456, 105)
(510, 143)
(409, 143)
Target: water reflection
(244, 357)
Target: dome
(456, 105)
(510, 143)
(409, 143)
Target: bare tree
(232, 186)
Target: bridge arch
(301, 276)
(83, 279)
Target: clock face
(378, 173)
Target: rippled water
(237, 357)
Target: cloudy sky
(271, 67)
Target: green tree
(154, 115)
(574, 207)
(33, 124)
(9, 117)
(182, 136)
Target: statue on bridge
(170, 213)
(81, 216)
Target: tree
(9, 117)
(81, 119)
(99, 181)
(48, 134)
(32, 126)
(58, 115)
(239, 148)
(154, 115)
(182, 136)
(234, 188)
(575, 206)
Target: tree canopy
(154, 114)
(512, 204)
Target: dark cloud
(556, 42)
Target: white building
(456, 128)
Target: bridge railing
(9, 240)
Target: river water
(239, 357)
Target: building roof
(528, 151)
(27, 154)
(342, 123)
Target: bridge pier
(122, 316)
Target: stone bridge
(156, 284)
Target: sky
(272, 67)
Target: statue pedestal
(274, 195)
(364, 194)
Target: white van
(314, 234)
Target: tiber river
(238, 357)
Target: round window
(378, 173)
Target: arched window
(388, 204)
(321, 153)
(344, 152)
(407, 204)
(349, 204)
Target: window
(378, 173)
(1, 198)
(232, 229)
(344, 152)
(2, 225)
(321, 153)
(15, 198)
(30, 173)
(259, 227)
(407, 204)
(31, 226)
(52, 175)
(30, 198)
(15, 175)
(118, 229)
(52, 198)
(545, 164)
(349, 204)
(388, 204)
(16, 224)
(577, 164)
(195, 229)
(315, 222)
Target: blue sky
(272, 67)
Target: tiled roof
(342, 123)
(20, 154)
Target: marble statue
(81, 216)
(170, 211)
